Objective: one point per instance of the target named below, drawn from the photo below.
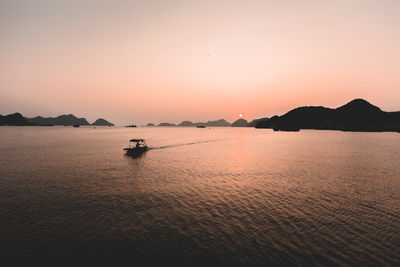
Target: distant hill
(217, 123)
(240, 123)
(102, 122)
(67, 120)
(357, 115)
(151, 124)
(254, 122)
(191, 124)
(15, 119)
(166, 124)
(187, 124)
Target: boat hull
(134, 151)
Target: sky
(155, 61)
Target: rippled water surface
(219, 196)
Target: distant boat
(131, 126)
(76, 125)
(136, 147)
(201, 126)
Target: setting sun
(240, 115)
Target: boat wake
(185, 144)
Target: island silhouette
(102, 122)
(357, 115)
(255, 121)
(240, 123)
(67, 120)
(215, 123)
(166, 124)
(17, 119)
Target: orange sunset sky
(154, 61)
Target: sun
(240, 115)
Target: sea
(198, 197)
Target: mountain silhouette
(67, 120)
(217, 123)
(254, 122)
(102, 122)
(357, 115)
(187, 124)
(166, 124)
(15, 119)
(240, 123)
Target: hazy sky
(153, 61)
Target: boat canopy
(136, 140)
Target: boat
(286, 129)
(76, 125)
(136, 147)
(130, 126)
(201, 126)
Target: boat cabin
(137, 143)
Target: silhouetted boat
(136, 147)
(201, 126)
(130, 126)
(76, 125)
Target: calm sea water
(219, 196)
